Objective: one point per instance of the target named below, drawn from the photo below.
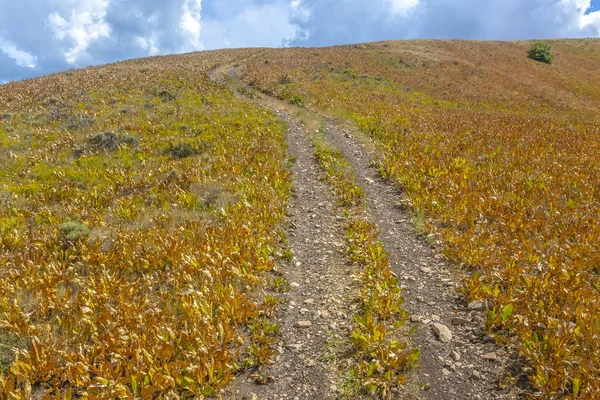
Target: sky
(38, 37)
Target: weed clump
(165, 96)
(78, 122)
(73, 231)
(182, 150)
(110, 141)
(297, 100)
(285, 79)
(541, 52)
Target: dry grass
(500, 153)
(154, 287)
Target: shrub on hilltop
(541, 52)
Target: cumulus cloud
(585, 19)
(84, 25)
(22, 58)
(246, 24)
(401, 6)
(190, 24)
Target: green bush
(541, 52)
(182, 150)
(296, 100)
(73, 231)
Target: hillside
(185, 226)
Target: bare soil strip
(466, 365)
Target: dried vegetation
(501, 154)
(140, 206)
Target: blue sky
(40, 37)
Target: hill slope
(142, 211)
(499, 153)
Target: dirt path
(316, 306)
(466, 366)
(315, 310)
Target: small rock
(304, 311)
(325, 314)
(455, 355)
(477, 332)
(446, 371)
(309, 301)
(415, 318)
(295, 284)
(457, 321)
(294, 347)
(443, 332)
(477, 306)
(489, 339)
(303, 324)
(369, 181)
(435, 318)
(490, 356)
(476, 375)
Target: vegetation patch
(131, 272)
(501, 167)
(541, 52)
(110, 141)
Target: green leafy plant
(73, 231)
(541, 52)
(297, 100)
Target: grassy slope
(182, 205)
(500, 152)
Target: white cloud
(581, 5)
(402, 6)
(252, 26)
(21, 57)
(149, 44)
(298, 11)
(190, 25)
(591, 20)
(86, 24)
(579, 9)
